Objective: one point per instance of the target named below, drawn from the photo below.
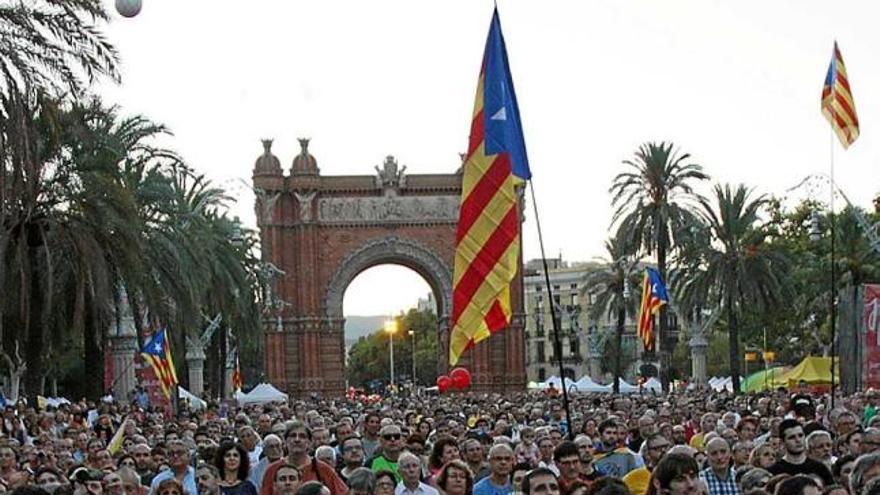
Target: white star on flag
(499, 115)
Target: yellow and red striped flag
(237, 382)
(837, 101)
(157, 352)
(487, 243)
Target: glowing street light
(391, 329)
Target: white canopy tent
(194, 401)
(653, 384)
(586, 384)
(262, 394)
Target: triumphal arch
(318, 232)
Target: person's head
(647, 425)
(608, 432)
(501, 460)
(372, 424)
(870, 441)
(320, 436)
(178, 454)
(755, 478)
(352, 451)
(286, 480)
(708, 422)
(656, 446)
(248, 437)
(679, 435)
(169, 486)
(361, 481)
(842, 468)
(866, 467)
(298, 438)
(675, 474)
(208, 479)
(798, 485)
(410, 468)
(445, 449)
(540, 481)
(48, 479)
(763, 456)
(87, 481)
(232, 458)
(792, 434)
(385, 482)
(113, 484)
(312, 488)
(747, 428)
(584, 445)
(609, 485)
(131, 481)
(840, 490)
(391, 440)
(852, 442)
(820, 445)
(142, 457)
(568, 460)
(273, 447)
(520, 470)
(7, 457)
(455, 478)
(546, 448)
(718, 454)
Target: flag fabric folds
(487, 241)
(837, 101)
(237, 382)
(157, 352)
(654, 295)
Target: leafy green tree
(608, 283)
(739, 268)
(654, 203)
(369, 357)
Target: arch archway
(319, 232)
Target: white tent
(586, 384)
(552, 380)
(653, 384)
(194, 401)
(262, 394)
(625, 388)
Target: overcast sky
(736, 84)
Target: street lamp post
(412, 336)
(391, 328)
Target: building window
(539, 288)
(555, 287)
(574, 346)
(556, 298)
(542, 374)
(574, 286)
(540, 349)
(574, 299)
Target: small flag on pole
(157, 352)
(487, 243)
(237, 382)
(654, 295)
(837, 101)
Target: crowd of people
(688, 443)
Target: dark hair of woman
(243, 464)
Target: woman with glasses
(233, 463)
(385, 483)
(455, 478)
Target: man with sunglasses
(390, 446)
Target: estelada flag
(157, 352)
(837, 101)
(487, 242)
(654, 295)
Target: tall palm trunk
(33, 352)
(94, 358)
(733, 343)
(618, 343)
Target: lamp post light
(391, 329)
(412, 336)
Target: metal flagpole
(833, 301)
(557, 343)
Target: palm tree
(737, 269)
(49, 45)
(609, 284)
(654, 205)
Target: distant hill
(359, 326)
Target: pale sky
(736, 84)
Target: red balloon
(461, 378)
(443, 383)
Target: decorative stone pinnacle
(267, 146)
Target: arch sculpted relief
(389, 209)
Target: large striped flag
(654, 295)
(837, 101)
(157, 352)
(487, 244)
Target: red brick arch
(319, 232)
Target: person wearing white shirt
(410, 468)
